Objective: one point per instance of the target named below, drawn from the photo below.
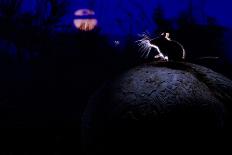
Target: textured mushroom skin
(157, 100)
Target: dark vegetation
(48, 71)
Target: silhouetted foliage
(9, 8)
(26, 29)
(163, 25)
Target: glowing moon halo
(85, 20)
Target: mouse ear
(165, 34)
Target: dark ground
(42, 101)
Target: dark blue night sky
(118, 16)
(123, 17)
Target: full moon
(85, 20)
